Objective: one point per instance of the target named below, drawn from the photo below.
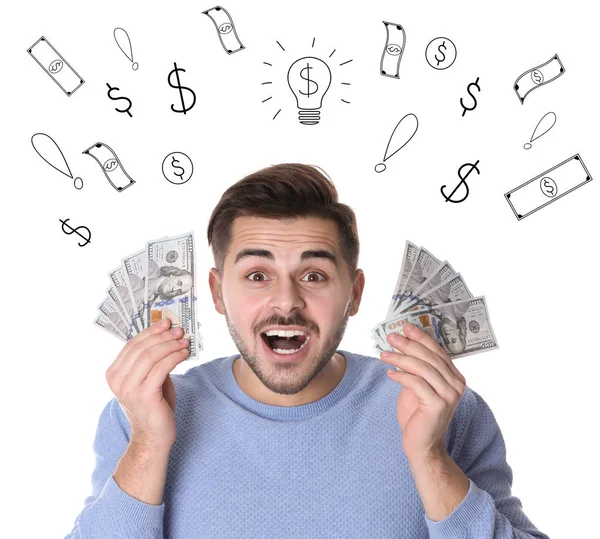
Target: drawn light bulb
(309, 79)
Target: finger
(428, 372)
(157, 376)
(132, 343)
(418, 350)
(416, 334)
(125, 364)
(417, 385)
(146, 361)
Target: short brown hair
(285, 191)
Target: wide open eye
(315, 273)
(259, 281)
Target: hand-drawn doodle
(110, 165)
(53, 63)
(463, 181)
(548, 187)
(50, 152)
(225, 29)
(308, 78)
(110, 89)
(538, 76)
(440, 53)
(465, 108)
(399, 138)
(178, 86)
(177, 167)
(124, 43)
(395, 42)
(76, 230)
(544, 125)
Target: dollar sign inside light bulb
(309, 79)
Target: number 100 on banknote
(548, 187)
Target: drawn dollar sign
(178, 86)
(308, 80)
(439, 60)
(174, 165)
(110, 89)
(72, 230)
(463, 180)
(537, 77)
(548, 187)
(465, 108)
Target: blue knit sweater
(331, 468)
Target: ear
(357, 290)
(214, 281)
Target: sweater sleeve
(489, 510)
(109, 511)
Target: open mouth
(285, 344)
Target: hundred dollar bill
(452, 289)
(104, 323)
(170, 285)
(110, 309)
(110, 165)
(395, 41)
(548, 187)
(114, 295)
(424, 267)
(408, 259)
(135, 272)
(225, 29)
(538, 76)
(462, 327)
(53, 63)
(443, 272)
(118, 277)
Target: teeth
(288, 352)
(281, 333)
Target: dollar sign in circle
(465, 108)
(308, 80)
(439, 60)
(537, 77)
(55, 66)
(440, 53)
(394, 49)
(177, 168)
(178, 86)
(548, 187)
(76, 230)
(462, 181)
(111, 89)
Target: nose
(286, 296)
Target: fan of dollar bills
(436, 299)
(154, 283)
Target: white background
(539, 276)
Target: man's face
(258, 293)
(452, 336)
(175, 285)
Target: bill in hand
(436, 299)
(154, 283)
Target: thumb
(168, 389)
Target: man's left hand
(431, 390)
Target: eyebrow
(263, 253)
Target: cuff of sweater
(457, 522)
(130, 509)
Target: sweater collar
(288, 413)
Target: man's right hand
(140, 380)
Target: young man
(293, 437)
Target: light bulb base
(309, 117)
